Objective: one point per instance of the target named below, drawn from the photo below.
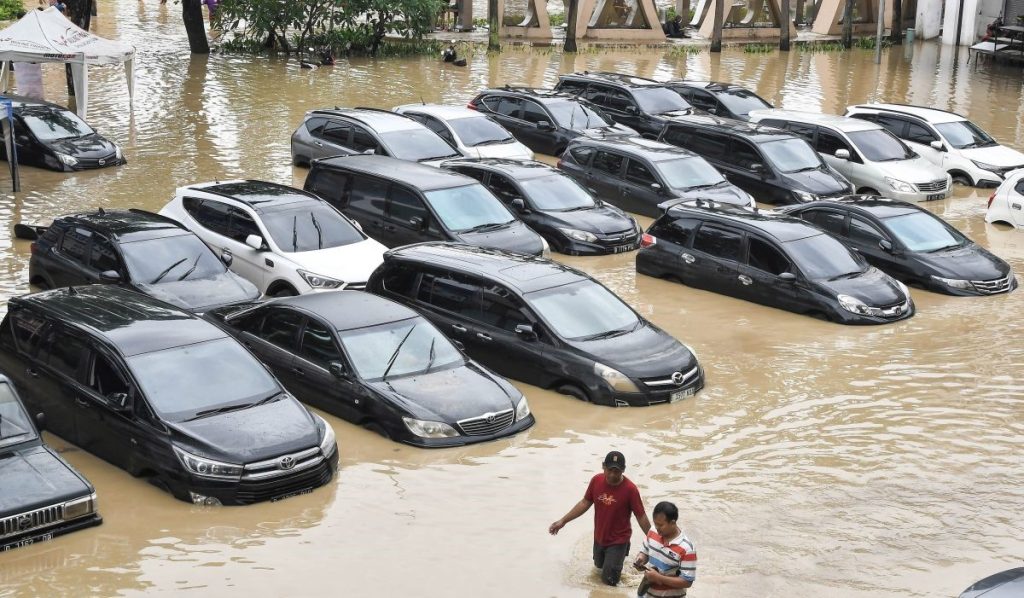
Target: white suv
(283, 240)
(949, 140)
(1006, 204)
(474, 134)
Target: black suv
(554, 205)
(772, 165)
(398, 203)
(643, 104)
(41, 496)
(775, 260)
(162, 394)
(540, 322)
(721, 99)
(544, 120)
(637, 174)
(141, 250)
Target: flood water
(820, 460)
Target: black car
(721, 99)
(137, 249)
(540, 322)
(642, 104)
(398, 203)
(380, 365)
(910, 244)
(772, 165)
(50, 136)
(1005, 584)
(554, 205)
(639, 174)
(41, 496)
(162, 394)
(770, 259)
(543, 120)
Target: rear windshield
(310, 227)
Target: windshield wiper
(482, 228)
(847, 275)
(394, 355)
(193, 268)
(491, 141)
(218, 410)
(432, 355)
(606, 334)
(319, 231)
(295, 232)
(578, 208)
(169, 268)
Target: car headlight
(328, 444)
(545, 248)
(854, 305)
(985, 166)
(898, 185)
(208, 468)
(117, 153)
(80, 507)
(804, 197)
(639, 229)
(428, 429)
(963, 285)
(579, 235)
(614, 378)
(320, 282)
(522, 409)
(69, 160)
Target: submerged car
(41, 496)
(380, 365)
(50, 136)
(1005, 584)
(910, 244)
(721, 99)
(137, 249)
(1006, 204)
(770, 259)
(164, 395)
(639, 103)
(475, 135)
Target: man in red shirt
(614, 497)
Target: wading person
(667, 557)
(614, 497)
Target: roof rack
(156, 216)
(536, 91)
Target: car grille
(282, 466)
(932, 187)
(25, 522)
(249, 491)
(991, 287)
(85, 163)
(896, 310)
(624, 237)
(486, 424)
(670, 383)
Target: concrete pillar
(929, 19)
(949, 22)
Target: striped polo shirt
(673, 557)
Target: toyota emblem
(677, 377)
(286, 463)
(490, 418)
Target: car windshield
(49, 125)
(417, 145)
(170, 259)
(15, 426)
(791, 155)
(555, 193)
(398, 349)
(879, 145)
(741, 101)
(963, 134)
(479, 130)
(687, 173)
(655, 100)
(311, 227)
(922, 231)
(469, 207)
(576, 116)
(604, 315)
(186, 382)
(822, 257)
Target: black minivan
(164, 395)
(398, 202)
(540, 322)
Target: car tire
(960, 178)
(298, 160)
(284, 291)
(376, 429)
(868, 191)
(574, 391)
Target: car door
(919, 136)
(506, 190)
(313, 381)
(451, 301)
(56, 372)
(637, 191)
(758, 277)
(363, 142)
(29, 150)
(865, 237)
(828, 143)
(537, 135)
(40, 390)
(365, 205)
(273, 336)
(606, 176)
(712, 260)
(70, 258)
(674, 238)
(506, 110)
(217, 231)
(333, 139)
(499, 346)
(103, 405)
(748, 170)
(406, 218)
(104, 257)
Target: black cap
(616, 460)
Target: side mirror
(369, 152)
(656, 186)
(545, 126)
(41, 421)
(526, 332)
(712, 110)
(631, 109)
(417, 223)
(843, 154)
(110, 276)
(937, 145)
(118, 401)
(338, 370)
(227, 258)
(21, 139)
(757, 168)
(519, 205)
(255, 241)
(885, 245)
(787, 277)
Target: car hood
(601, 219)
(647, 352)
(516, 237)
(997, 155)
(350, 263)
(970, 262)
(512, 150)
(201, 294)
(1006, 584)
(730, 194)
(915, 170)
(874, 287)
(35, 477)
(820, 181)
(89, 146)
(253, 434)
(448, 395)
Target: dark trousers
(609, 560)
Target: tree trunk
(570, 28)
(493, 23)
(716, 32)
(896, 35)
(784, 21)
(192, 16)
(848, 25)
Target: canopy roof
(48, 36)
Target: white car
(949, 140)
(475, 135)
(283, 240)
(1006, 204)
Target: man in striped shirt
(667, 557)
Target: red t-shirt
(612, 506)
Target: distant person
(211, 5)
(449, 54)
(614, 497)
(674, 28)
(668, 558)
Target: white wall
(977, 15)
(929, 18)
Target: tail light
(559, 164)
(991, 197)
(648, 240)
(471, 105)
(33, 248)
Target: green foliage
(868, 43)
(557, 19)
(758, 48)
(11, 10)
(822, 47)
(685, 50)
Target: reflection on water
(819, 461)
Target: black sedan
(380, 365)
(554, 205)
(49, 136)
(911, 244)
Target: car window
(503, 188)
(864, 232)
(741, 101)
(534, 113)
(400, 280)
(569, 86)
(241, 225)
(919, 134)
(317, 345)
(637, 172)
(337, 132)
(362, 140)
(50, 124)
(438, 127)
(608, 162)
(332, 186)
(560, 308)
(791, 154)
(1019, 188)
(368, 194)
(479, 130)
(29, 330)
(316, 126)
(280, 327)
(689, 172)
(596, 93)
(827, 220)
(829, 142)
(555, 192)
(211, 215)
(703, 100)
(105, 378)
(575, 115)
(64, 353)
(879, 145)
(417, 144)
(503, 105)
(708, 144)
(398, 349)
(805, 131)
(718, 243)
(619, 100)
(658, 100)
(582, 154)
(454, 293)
(679, 231)
(743, 155)
(75, 243)
(893, 124)
(501, 309)
(924, 231)
(679, 136)
(102, 256)
(474, 173)
(404, 205)
(764, 256)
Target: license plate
(624, 248)
(291, 494)
(681, 394)
(29, 541)
(935, 196)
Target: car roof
(130, 321)
(346, 310)
(880, 207)
(781, 228)
(712, 86)
(933, 115)
(617, 78)
(131, 224)
(442, 111)
(256, 194)
(378, 119)
(420, 176)
(523, 272)
(842, 123)
(537, 93)
(740, 128)
(517, 169)
(655, 151)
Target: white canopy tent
(47, 36)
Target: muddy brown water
(820, 460)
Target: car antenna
(421, 100)
(72, 292)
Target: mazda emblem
(677, 377)
(286, 463)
